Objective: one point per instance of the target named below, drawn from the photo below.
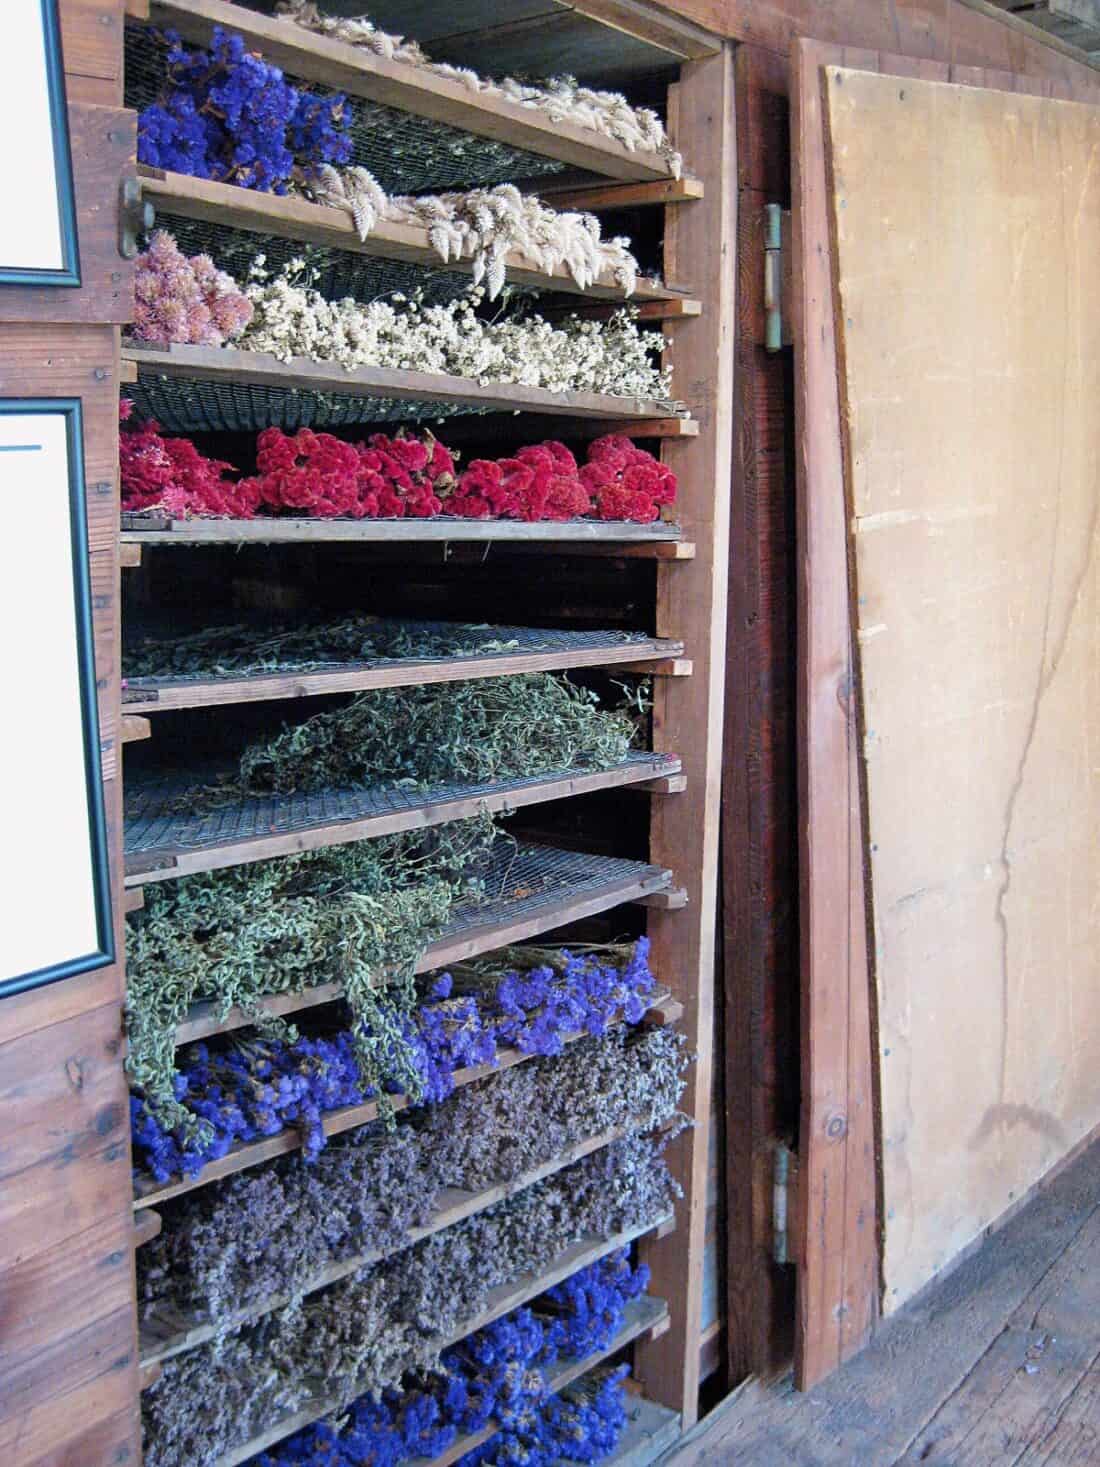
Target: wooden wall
(973, 444)
(68, 1362)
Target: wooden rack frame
(350, 69)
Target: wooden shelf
(161, 845)
(290, 217)
(154, 695)
(642, 1317)
(503, 1300)
(353, 70)
(606, 537)
(663, 1009)
(175, 1334)
(649, 1432)
(228, 364)
(496, 924)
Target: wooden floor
(996, 1366)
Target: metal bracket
(773, 277)
(135, 216)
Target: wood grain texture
(837, 1279)
(960, 1376)
(296, 218)
(68, 1356)
(759, 816)
(228, 364)
(104, 145)
(691, 603)
(972, 443)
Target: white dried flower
(562, 99)
(292, 319)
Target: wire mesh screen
(335, 273)
(156, 827)
(183, 406)
(514, 642)
(524, 881)
(406, 154)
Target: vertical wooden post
(691, 603)
(837, 1206)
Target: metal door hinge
(136, 216)
(784, 1183)
(773, 277)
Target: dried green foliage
(359, 914)
(439, 733)
(297, 647)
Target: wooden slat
(292, 217)
(226, 364)
(651, 659)
(135, 728)
(133, 899)
(339, 65)
(166, 863)
(147, 1225)
(606, 538)
(658, 25)
(503, 1300)
(837, 1283)
(203, 1020)
(692, 599)
(129, 557)
(149, 1193)
(622, 195)
(162, 1341)
(666, 901)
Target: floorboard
(996, 1365)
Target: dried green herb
(439, 733)
(294, 647)
(359, 914)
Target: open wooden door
(68, 1329)
(948, 329)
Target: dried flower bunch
(226, 114)
(608, 113)
(486, 225)
(220, 651)
(185, 299)
(363, 1333)
(498, 1374)
(318, 475)
(171, 475)
(359, 914)
(239, 1091)
(473, 732)
(293, 319)
(272, 1231)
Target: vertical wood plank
(759, 793)
(837, 1284)
(68, 1329)
(692, 597)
